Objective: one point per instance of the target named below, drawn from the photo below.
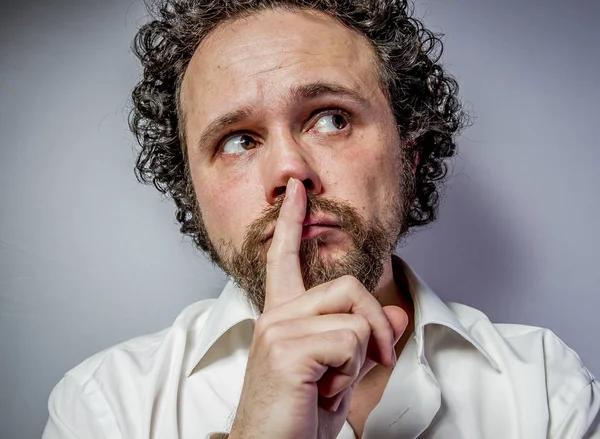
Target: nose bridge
(286, 158)
(285, 152)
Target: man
(301, 141)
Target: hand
(309, 348)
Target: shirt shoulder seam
(571, 408)
(110, 427)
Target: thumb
(398, 319)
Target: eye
(239, 144)
(331, 122)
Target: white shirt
(459, 377)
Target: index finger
(284, 277)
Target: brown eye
(331, 123)
(338, 121)
(238, 144)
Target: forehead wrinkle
(288, 45)
(317, 89)
(270, 61)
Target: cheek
(227, 206)
(376, 176)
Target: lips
(312, 226)
(319, 220)
(314, 230)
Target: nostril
(280, 190)
(308, 184)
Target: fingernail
(291, 186)
(336, 406)
(394, 359)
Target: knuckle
(349, 338)
(270, 334)
(384, 328)
(275, 331)
(279, 353)
(276, 251)
(262, 324)
(272, 257)
(350, 282)
(363, 328)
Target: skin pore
(295, 94)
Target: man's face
(285, 94)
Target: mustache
(347, 218)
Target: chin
(330, 251)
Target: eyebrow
(298, 93)
(320, 88)
(218, 124)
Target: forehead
(254, 60)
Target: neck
(393, 288)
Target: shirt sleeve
(583, 418)
(78, 412)
(572, 390)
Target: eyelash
(315, 115)
(330, 111)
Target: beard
(372, 243)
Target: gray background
(88, 257)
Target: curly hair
(422, 95)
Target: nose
(283, 159)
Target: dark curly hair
(423, 97)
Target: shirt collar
(232, 307)
(431, 310)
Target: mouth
(313, 227)
(312, 231)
